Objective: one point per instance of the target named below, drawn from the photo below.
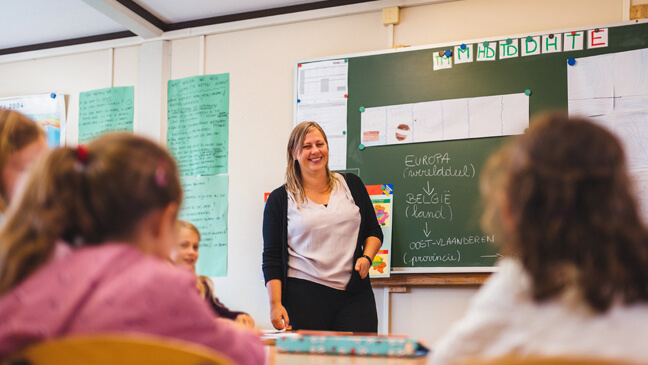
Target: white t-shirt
(322, 239)
(503, 319)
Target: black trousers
(313, 306)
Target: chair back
(117, 350)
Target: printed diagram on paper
(612, 90)
(488, 116)
(322, 97)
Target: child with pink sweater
(84, 250)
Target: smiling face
(313, 154)
(187, 249)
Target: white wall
(261, 66)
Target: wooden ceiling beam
(129, 19)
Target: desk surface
(279, 358)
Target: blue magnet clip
(463, 46)
(448, 53)
(53, 95)
(299, 101)
(571, 61)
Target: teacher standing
(320, 236)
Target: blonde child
(22, 141)
(84, 249)
(186, 255)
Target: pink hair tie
(160, 174)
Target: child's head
(564, 204)
(186, 253)
(106, 192)
(22, 141)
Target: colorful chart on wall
(46, 109)
(382, 198)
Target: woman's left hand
(362, 266)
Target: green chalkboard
(435, 224)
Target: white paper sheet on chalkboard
(640, 183)
(488, 116)
(612, 90)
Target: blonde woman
(320, 236)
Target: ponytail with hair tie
(129, 178)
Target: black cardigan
(275, 234)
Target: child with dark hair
(84, 251)
(576, 279)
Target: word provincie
(413, 260)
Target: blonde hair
(86, 197)
(294, 183)
(203, 283)
(16, 132)
(188, 226)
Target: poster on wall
(322, 93)
(205, 206)
(198, 124)
(106, 110)
(382, 199)
(46, 109)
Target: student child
(576, 281)
(186, 255)
(22, 141)
(84, 251)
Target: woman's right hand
(279, 317)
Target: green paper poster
(105, 110)
(198, 124)
(205, 205)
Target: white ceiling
(29, 22)
(173, 11)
